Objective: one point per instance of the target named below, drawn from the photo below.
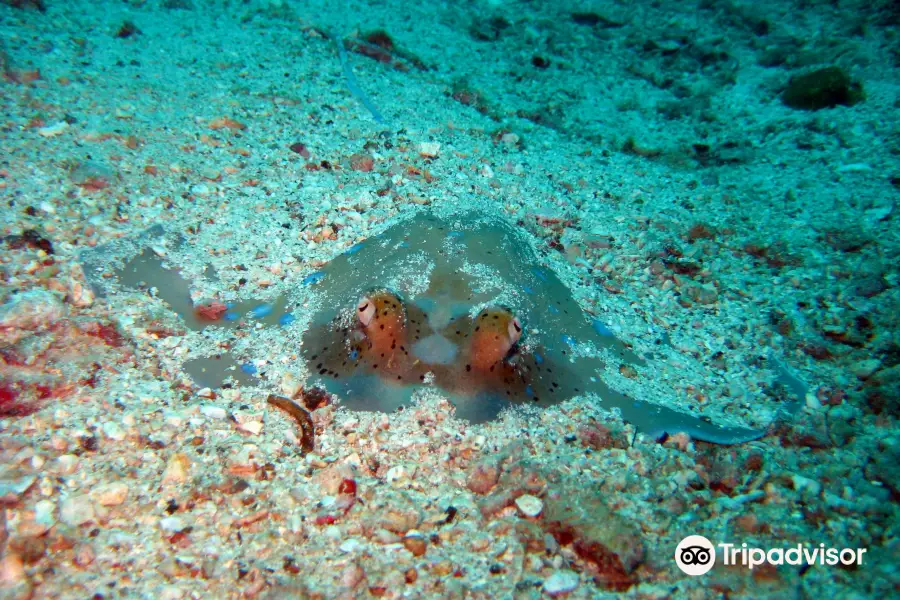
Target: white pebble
(254, 427)
(804, 484)
(43, 512)
(854, 168)
(170, 592)
(213, 412)
(290, 385)
(396, 474)
(531, 506)
(429, 149)
(174, 419)
(113, 431)
(172, 524)
(510, 140)
(812, 403)
(68, 463)
(561, 582)
(111, 494)
(53, 130)
(350, 545)
(76, 510)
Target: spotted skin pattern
(465, 305)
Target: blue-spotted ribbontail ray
(438, 302)
(460, 304)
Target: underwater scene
(509, 299)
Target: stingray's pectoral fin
(478, 408)
(369, 393)
(658, 421)
(214, 371)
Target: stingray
(462, 305)
(465, 305)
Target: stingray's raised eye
(366, 311)
(514, 330)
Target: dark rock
(30, 239)
(592, 19)
(824, 88)
(488, 30)
(483, 477)
(610, 545)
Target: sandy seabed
(646, 150)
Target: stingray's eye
(365, 310)
(514, 330)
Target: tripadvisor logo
(696, 555)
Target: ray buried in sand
(465, 306)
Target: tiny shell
(254, 427)
(53, 130)
(177, 469)
(531, 506)
(429, 149)
(397, 474)
(79, 295)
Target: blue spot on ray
(249, 369)
(602, 329)
(258, 312)
(313, 278)
(286, 319)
